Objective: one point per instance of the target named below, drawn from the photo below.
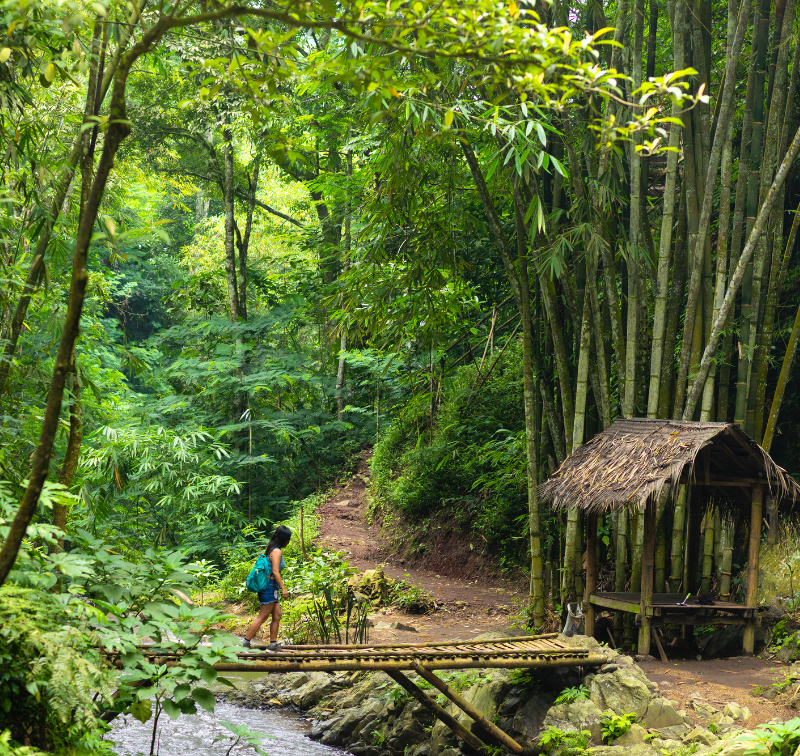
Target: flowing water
(193, 735)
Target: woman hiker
(270, 597)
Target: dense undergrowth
(466, 464)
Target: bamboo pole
(751, 601)
(439, 712)
(708, 552)
(660, 579)
(591, 572)
(529, 398)
(620, 561)
(469, 709)
(647, 575)
(783, 379)
(727, 561)
(678, 526)
(756, 152)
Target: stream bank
(370, 716)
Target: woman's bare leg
(277, 613)
(261, 617)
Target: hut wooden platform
(629, 465)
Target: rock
(661, 713)
(310, 693)
(703, 709)
(609, 668)
(409, 728)
(699, 735)
(577, 716)
(400, 626)
(790, 650)
(631, 737)
(529, 720)
(673, 732)
(666, 744)
(643, 658)
(338, 733)
(320, 728)
(734, 710)
(641, 749)
(794, 671)
(622, 691)
(722, 720)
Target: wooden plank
(748, 645)
(439, 712)
(591, 572)
(613, 603)
(469, 709)
(648, 574)
(690, 619)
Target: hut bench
(628, 466)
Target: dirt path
(466, 608)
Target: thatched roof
(632, 460)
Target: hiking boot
(246, 643)
(274, 646)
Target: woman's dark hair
(280, 538)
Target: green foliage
(411, 599)
(616, 725)
(243, 737)
(468, 462)
(555, 742)
(571, 695)
(778, 739)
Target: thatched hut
(629, 465)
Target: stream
(194, 734)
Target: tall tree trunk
(60, 193)
(230, 253)
(118, 130)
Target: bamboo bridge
(528, 652)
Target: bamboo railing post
(591, 573)
(648, 563)
(439, 712)
(751, 602)
(468, 709)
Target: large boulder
(661, 713)
(576, 717)
(529, 719)
(622, 691)
(341, 727)
(632, 737)
(310, 693)
(410, 728)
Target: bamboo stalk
(727, 561)
(620, 560)
(469, 709)
(708, 552)
(678, 527)
(783, 379)
(471, 740)
(736, 278)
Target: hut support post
(752, 568)
(439, 712)
(648, 574)
(591, 572)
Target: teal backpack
(259, 576)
